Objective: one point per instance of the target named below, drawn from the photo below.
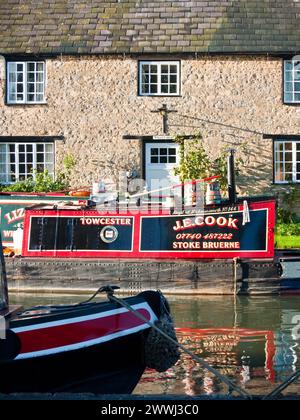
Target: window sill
(175, 95)
(291, 103)
(26, 103)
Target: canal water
(254, 341)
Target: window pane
(40, 148)
(288, 97)
(173, 79)
(145, 69)
(30, 87)
(39, 87)
(153, 88)
(164, 78)
(288, 146)
(164, 69)
(164, 89)
(12, 67)
(22, 169)
(163, 159)
(297, 97)
(289, 167)
(49, 147)
(173, 89)
(30, 77)
(31, 67)
(145, 89)
(288, 65)
(40, 67)
(289, 76)
(163, 152)
(154, 152)
(40, 157)
(40, 167)
(297, 87)
(153, 78)
(289, 157)
(154, 159)
(29, 168)
(296, 65)
(145, 78)
(289, 177)
(50, 168)
(172, 159)
(49, 157)
(289, 86)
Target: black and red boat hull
(95, 348)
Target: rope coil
(160, 352)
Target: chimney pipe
(231, 177)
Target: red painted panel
(68, 334)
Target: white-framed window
(25, 82)
(159, 78)
(163, 155)
(292, 81)
(19, 161)
(286, 161)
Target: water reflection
(251, 340)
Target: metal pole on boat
(231, 177)
(3, 280)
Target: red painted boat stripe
(65, 335)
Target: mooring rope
(232, 386)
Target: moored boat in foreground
(87, 347)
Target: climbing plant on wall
(196, 161)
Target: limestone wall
(93, 102)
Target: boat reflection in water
(258, 350)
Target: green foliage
(286, 201)
(43, 183)
(69, 163)
(196, 163)
(288, 229)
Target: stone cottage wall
(93, 102)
